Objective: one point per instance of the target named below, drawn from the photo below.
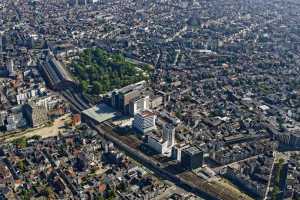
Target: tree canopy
(99, 71)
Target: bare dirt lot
(46, 131)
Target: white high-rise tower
(169, 134)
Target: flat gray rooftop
(100, 113)
(192, 150)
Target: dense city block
(150, 99)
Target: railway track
(74, 104)
(150, 163)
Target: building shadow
(175, 168)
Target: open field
(44, 132)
